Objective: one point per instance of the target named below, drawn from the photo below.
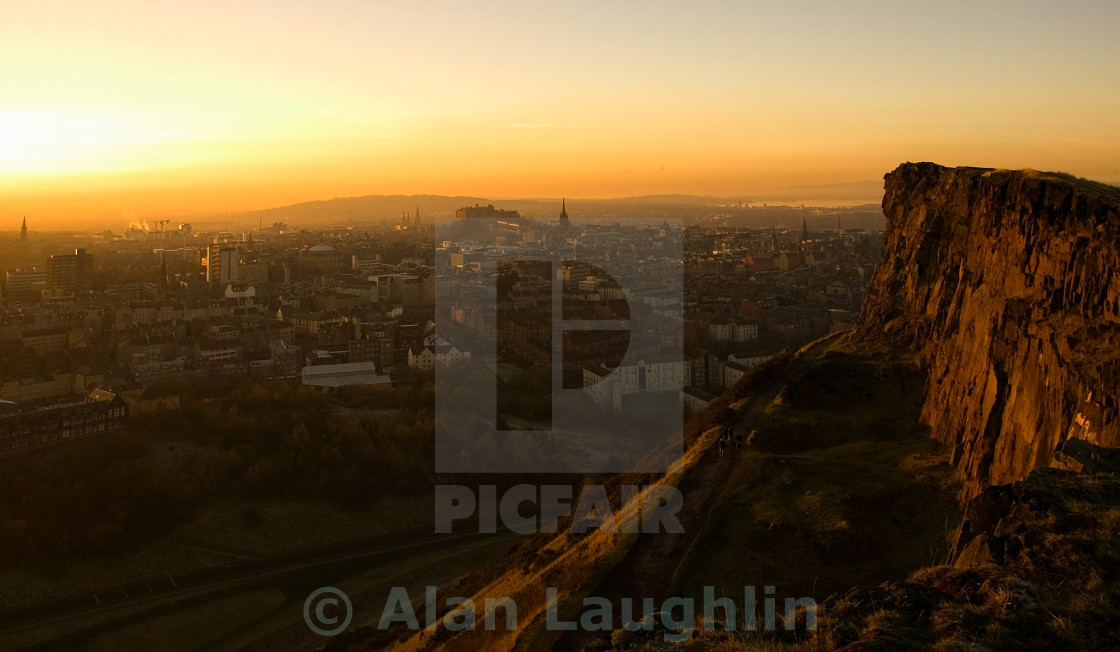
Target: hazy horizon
(250, 217)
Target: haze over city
(121, 110)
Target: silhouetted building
(23, 230)
(70, 273)
(485, 212)
(320, 259)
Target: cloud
(531, 125)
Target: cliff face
(1006, 284)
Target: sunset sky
(148, 109)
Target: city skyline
(134, 111)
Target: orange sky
(118, 109)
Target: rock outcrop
(1034, 568)
(1006, 285)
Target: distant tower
(804, 226)
(416, 218)
(23, 230)
(564, 222)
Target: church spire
(23, 229)
(563, 209)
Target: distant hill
(369, 208)
(379, 208)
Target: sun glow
(206, 107)
(45, 143)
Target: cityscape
(158, 304)
(559, 327)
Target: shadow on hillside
(840, 485)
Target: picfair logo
(575, 348)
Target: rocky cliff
(1006, 286)
(1034, 568)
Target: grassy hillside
(837, 486)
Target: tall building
(564, 222)
(212, 263)
(221, 264)
(23, 230)
(70, 273)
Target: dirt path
(650, 564)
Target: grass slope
(839, 484)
